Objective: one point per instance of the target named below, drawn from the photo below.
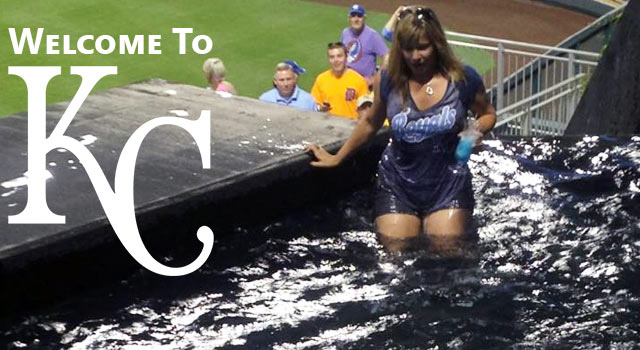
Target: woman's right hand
(324, 158)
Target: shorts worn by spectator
(336, 90)
(363, 44)
(286, 91)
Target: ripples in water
(555, 266)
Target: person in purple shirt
(363, 44)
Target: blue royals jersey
(419, 158)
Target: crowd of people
(344, 90)
(424, 93)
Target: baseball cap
(356, 10)
(296, 67)
(364, 99)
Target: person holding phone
(337, 89)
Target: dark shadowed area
(611, 103)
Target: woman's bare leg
(446, 230)
(397, 231)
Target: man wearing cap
(363, 44)
(286, 91)
(364, 103)
(337, 89)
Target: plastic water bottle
(468, 138)
(465, 146)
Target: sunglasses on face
(422, 13)
(356, 15)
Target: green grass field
(251, 36)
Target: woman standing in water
(426, 94)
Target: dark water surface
(556, 266)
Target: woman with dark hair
(426, 94)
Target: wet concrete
(257, 165)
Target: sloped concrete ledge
(258, 169)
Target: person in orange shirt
(336, 90)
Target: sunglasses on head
(356, 15)
(422, 13)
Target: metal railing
(545, 113)
(532, 73)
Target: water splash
(556, 267)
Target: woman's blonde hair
(415, 24)
(214, 68)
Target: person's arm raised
(365, 129)
(390, 26)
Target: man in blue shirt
(286, 91)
